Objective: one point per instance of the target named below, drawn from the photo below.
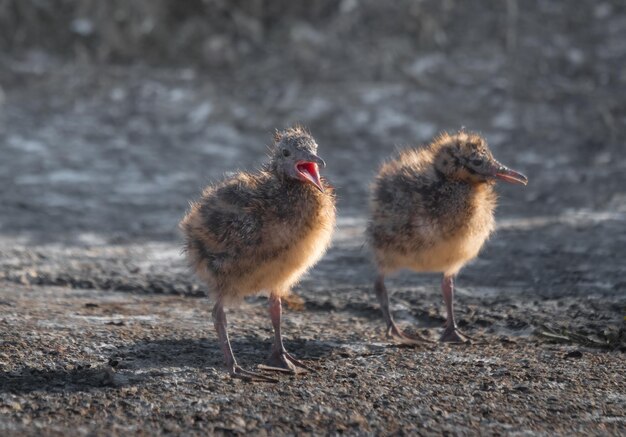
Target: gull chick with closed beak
(432, 209)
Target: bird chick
(261, 231)
(431, 211)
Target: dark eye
(286, 152)
(477, 161)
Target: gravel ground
(103, 331)
(90, 362)
(548, 356)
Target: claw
(406, 338)
(454, 336)
(267, 368)
(286, 363)
(248, 376)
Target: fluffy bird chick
(431, 211)
(261, 231)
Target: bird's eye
(286, 152)
(477, 161)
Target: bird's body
(260, 232)
(257, 232)
(425, 222)
(432, 209)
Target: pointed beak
(308, 170)
(319, 161)
(511, 176)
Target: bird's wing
(230, 215)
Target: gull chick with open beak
(432, 209)
(262, 231)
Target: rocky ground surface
(103, 331)
(115, 338)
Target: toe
(284, 362)
(405, 338)
(454, 336)
(246, 375)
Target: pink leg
(279, 359)
(450, 334)
(393, 330)
(219, 321)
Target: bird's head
(294, 154)
(466, 157)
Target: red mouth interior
(308, 170)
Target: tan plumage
(261, 231)
(255, 232)
(426, 222)
(432, 208)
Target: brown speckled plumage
(261, 231)
(426, 215)
(256, 232)
(432, 207)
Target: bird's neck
(461, 191)
(294, 186)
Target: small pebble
(574, 354)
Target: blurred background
(115, 114)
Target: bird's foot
(283, 361)
(406, 338)
(248, 376)
(452, 335)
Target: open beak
(309, 171)
(511, 176)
